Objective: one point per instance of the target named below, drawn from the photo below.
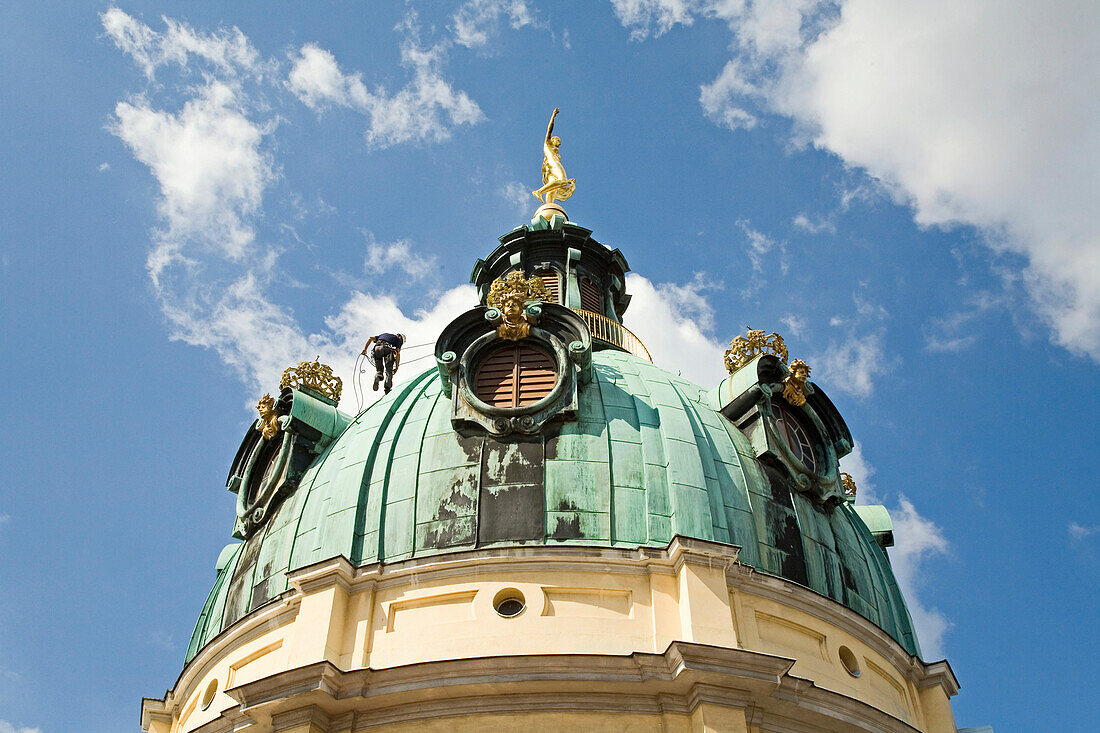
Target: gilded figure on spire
(555, 185)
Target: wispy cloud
(227, 50)
(1078, 532)
(813, 225)
(671, 320)
(477, 22)
(853, 364)
(760, 248)
(519, 196)
(400, 255)
(936, 103)
(6, 727)
(424, 110)
(653, 17)
(919, 542)
(213, 159)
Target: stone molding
(340, 572)
(685, 676)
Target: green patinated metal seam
(419, 460)
(610, 461)
(719, 526)
(368, 470)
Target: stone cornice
(677, 681)
(340, 572)
(748, 579)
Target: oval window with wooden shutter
(591, 298)
(514, 376)
(552, 282)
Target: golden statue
(269, 418)
(509, 295)
(794, 385)
(555, 186)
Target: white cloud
(796, 325)
(664, 317)
(760, 246)
(814, 225)
(227, 50)
(103, 167)
(424, 110)
(478, 21)
(1078, 532)
(852, 365)
(399, 255)
(653, 17)
(519, 196)
(979, 114)
(861, 472)
(718, 98)
(316, 79)
(6, 727)
(918, 542)
(954, 332)
(209, 164)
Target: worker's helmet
(401, 336)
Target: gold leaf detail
(509, 295)
(795, 383)
(315, 376)
(849, 484)
(744, 349)
(269, 419)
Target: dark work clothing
(382, 355)
(395, 341)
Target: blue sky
(197, 195)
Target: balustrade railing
(614, 333)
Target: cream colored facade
(682, 639)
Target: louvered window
(552, 282)
(591, 298)
(514, 376)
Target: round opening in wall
(509, 602)
(848, 659)
(208, 694)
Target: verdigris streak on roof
(646, 459)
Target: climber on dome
(386, 356)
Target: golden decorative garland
(509, 295)
(744, 349)
(315, 376)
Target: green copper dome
(643, 457)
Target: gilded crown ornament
(555, 185)
(849, 485)
(269, 418)
(794, 384)
(744, 349)
(509, 295)
(314, 376)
